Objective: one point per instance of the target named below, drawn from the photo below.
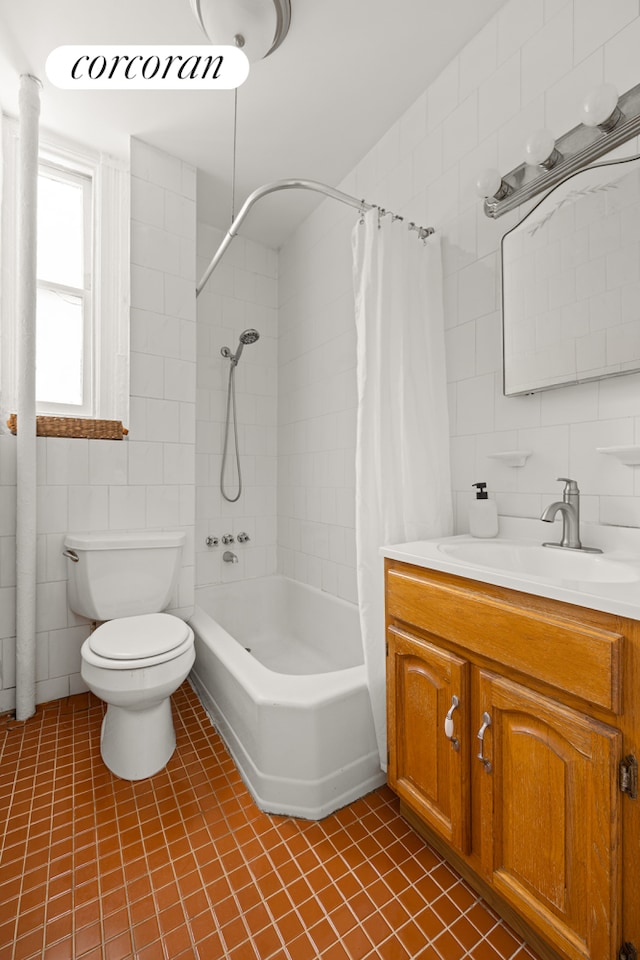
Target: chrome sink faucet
(569, 507)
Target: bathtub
(279, 668)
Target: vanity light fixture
(607, 122)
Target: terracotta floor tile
(177, 941)
(155, 951)
(143, 909)
(245, 951)
(481, 917)
(335, 952)
(310, 913)
(29, 946)
(462, 896)
(484, 951)
(376, 928)
(290, 927)
(302, 948)
(280, 904)
(28, 920)
(357, 943)
(196, 903)
(329, 898)
(8, 931)
(62, 951)
(396, 881)
(203, 927)
(395, 914)
(267, 942)
(323, 935)
(362, 905)
(234, 933)
(59, 929)
(392, 949)
(116, 924)
(299, 891)
(146, 932)
(256, 918)
(431, 924)
(446, 909)
(505, 942)
(183, 865)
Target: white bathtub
(295, 710)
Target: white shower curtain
(403, 489)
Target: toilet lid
(134, 638)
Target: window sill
(78, 427)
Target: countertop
(617, 543)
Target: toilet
(138, 656)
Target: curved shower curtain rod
(274, 187)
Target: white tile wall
(527, 69)
(241, 293)
(317, 395)
(144, 481)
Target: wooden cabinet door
(550, 817)
(427, 769)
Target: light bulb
(540, 149)
(489, 183)
(600, 107)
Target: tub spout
(229, 557)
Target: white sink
(516, 559)
(534, 560)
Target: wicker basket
(74, 427)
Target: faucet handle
(571, 486)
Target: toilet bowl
(138, 656)
(134, 664)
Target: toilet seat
(138, 641)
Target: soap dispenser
(483, 514)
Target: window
(82, 328)
(64, 298)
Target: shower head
(247, 336)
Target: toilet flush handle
(71, 555)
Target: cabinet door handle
(448, 723)
(486, 722)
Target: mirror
(571, 282)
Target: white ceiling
(345, 72)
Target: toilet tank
(120, 574)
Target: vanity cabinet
(508, 719)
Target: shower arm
(275, 187)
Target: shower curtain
(403, 489)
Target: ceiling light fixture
(607, 122)
(258, 27)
